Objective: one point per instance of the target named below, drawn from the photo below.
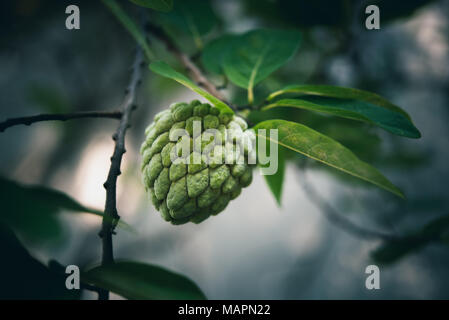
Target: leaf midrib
(393, 189)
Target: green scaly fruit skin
(192, 192)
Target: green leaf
(214, 52)
(256, 54)
(134, 280)
(315, 145)
(194, 17)
(130, 25)
(391, 121)
(159, 5)
(340, 92)
(32, 210)
(275, 181)
(165, 70)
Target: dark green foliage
(159, 5)
(32, 210)
(135, 280)
(189, 21)
(24, 277)
(391, 121)
(435, 232)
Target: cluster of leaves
(247, 59)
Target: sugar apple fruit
(195, 159)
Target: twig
(185, 60)
(111, 216)
(60, 117)
(336, 218)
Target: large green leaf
(135, 280)
(165, 70)
(256, 54)
(339, 92)
(159, 5)
(32, 210)
(315, 145)
(214, 52)
(391, 121)
(130, 25)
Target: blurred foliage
(214, 52)
(24, 277)
(337, 13)
(436, 232)
(189, 22)
(32, 210)
(48, 98)
(159, 5)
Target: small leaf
(275, 181)
(159, 5)
(130, 25)
(340, 92)
(256, 54)
(214, 53)
(134, 280)
(165, 70)
(315, 145)
(391, 121)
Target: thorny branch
(111, 217)
(60, 117)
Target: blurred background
(255, 249)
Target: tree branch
(111, 216)
(336, 218)
(60, 117)
(185, 60)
